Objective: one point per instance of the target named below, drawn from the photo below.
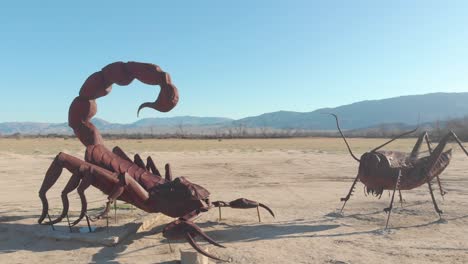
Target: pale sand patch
(302, 186)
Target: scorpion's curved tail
(99, 84)
(344, 138)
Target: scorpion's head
(179, 197)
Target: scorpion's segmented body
(102, 157)
(115, 174)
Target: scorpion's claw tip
(199, 249)
(188, 229)
(199, 232)
(268, 209)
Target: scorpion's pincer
(186, 229)
(243, 203)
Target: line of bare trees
(437, 129)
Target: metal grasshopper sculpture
(116, 175)
(381, 170)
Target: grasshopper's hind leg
(433, 200)
(414, 154)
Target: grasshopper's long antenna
(346, 142)
(395, 138)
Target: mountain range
(403, 110)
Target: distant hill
(401, 112)
(34, 128)
(165, 125)
(403, 109)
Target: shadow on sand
(225, 233)
(228, 233)
(25, 239)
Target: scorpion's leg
(150, 166)
(242, 203)
(61, 161)
(138, 161)
(90, 173)
(88, 179)
(345, 199)
(119, 152)
(168, 174)
(71, 185)
(389, 209)
(111, 199)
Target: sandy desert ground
(300, 179)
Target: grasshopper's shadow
(382, 231)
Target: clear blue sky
(229, 58)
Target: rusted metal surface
(116, 175)
(381, 170)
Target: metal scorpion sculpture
(381, 170)
(116, 175)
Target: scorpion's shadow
(227, 233)
(16, 236)
(254, 232)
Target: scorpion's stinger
(167, 99)
(144, 105)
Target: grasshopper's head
(370, 160)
